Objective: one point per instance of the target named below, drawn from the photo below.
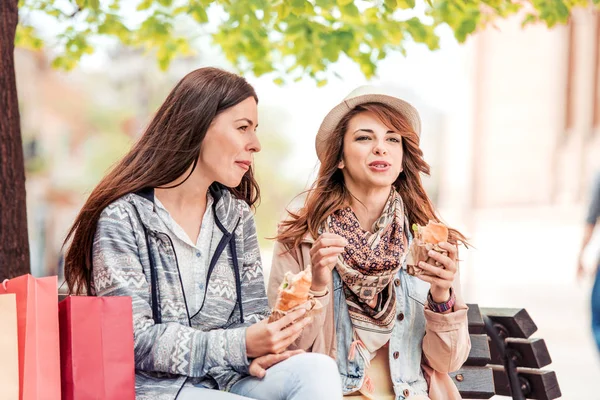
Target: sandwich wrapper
(293, 295)
(426, 238)
(312, 306)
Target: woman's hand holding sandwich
(274, 337)
(441, 277)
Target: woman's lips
(379, 166)
(244, 164)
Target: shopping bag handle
(4, 284)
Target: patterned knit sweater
(207, 348)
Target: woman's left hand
(440, 277)
(259, 366)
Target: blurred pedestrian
(590, 223)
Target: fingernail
(431, 252)
(302, 311)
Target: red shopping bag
(9, 348)
(96, 344)
(37, 326)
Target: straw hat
(362, 95)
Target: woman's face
(230, 143)
(372, 155)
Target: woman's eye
(395, 140)
(243, 128)
(362, 138)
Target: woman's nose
(379, 149)
(254, 145)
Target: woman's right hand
(323, 257)
(275, 337)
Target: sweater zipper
(179, 275)
(225, 240)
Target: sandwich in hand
(293, 294)
(425, 238)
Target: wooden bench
(504, 360)
(500, 342)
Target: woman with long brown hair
(171, 226)
(394, 335)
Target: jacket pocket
(417, 289)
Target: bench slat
(531, 353)
(476, 325)
(516, 320)
(474, 382)
(543, 384)
(480, 351)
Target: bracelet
(320, 293)
(441, 307)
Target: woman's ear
(341, 164)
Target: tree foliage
(291, 38)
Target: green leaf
(64, 62)
(309, 9)
(406, 4)
(343, 3)
(298, 6)
(113, 26)
(181, 10)
(529, 19)
(26, 37)
(367, 66)
(562, 11)
(466, 27)
(278, 81)
(421, 33)
(350, 10)
(165, 3)
(94, 4)
(390, 5)
(321, 82)
(283, 10)
(144, 5)
(199, 14)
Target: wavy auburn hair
(167, 149)
(329, 193)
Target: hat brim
(333, 118)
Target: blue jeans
(310, 376)
(596, 309)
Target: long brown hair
(166, 150)
(329, 193)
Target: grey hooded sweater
(133, 256)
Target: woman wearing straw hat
(394, 335)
